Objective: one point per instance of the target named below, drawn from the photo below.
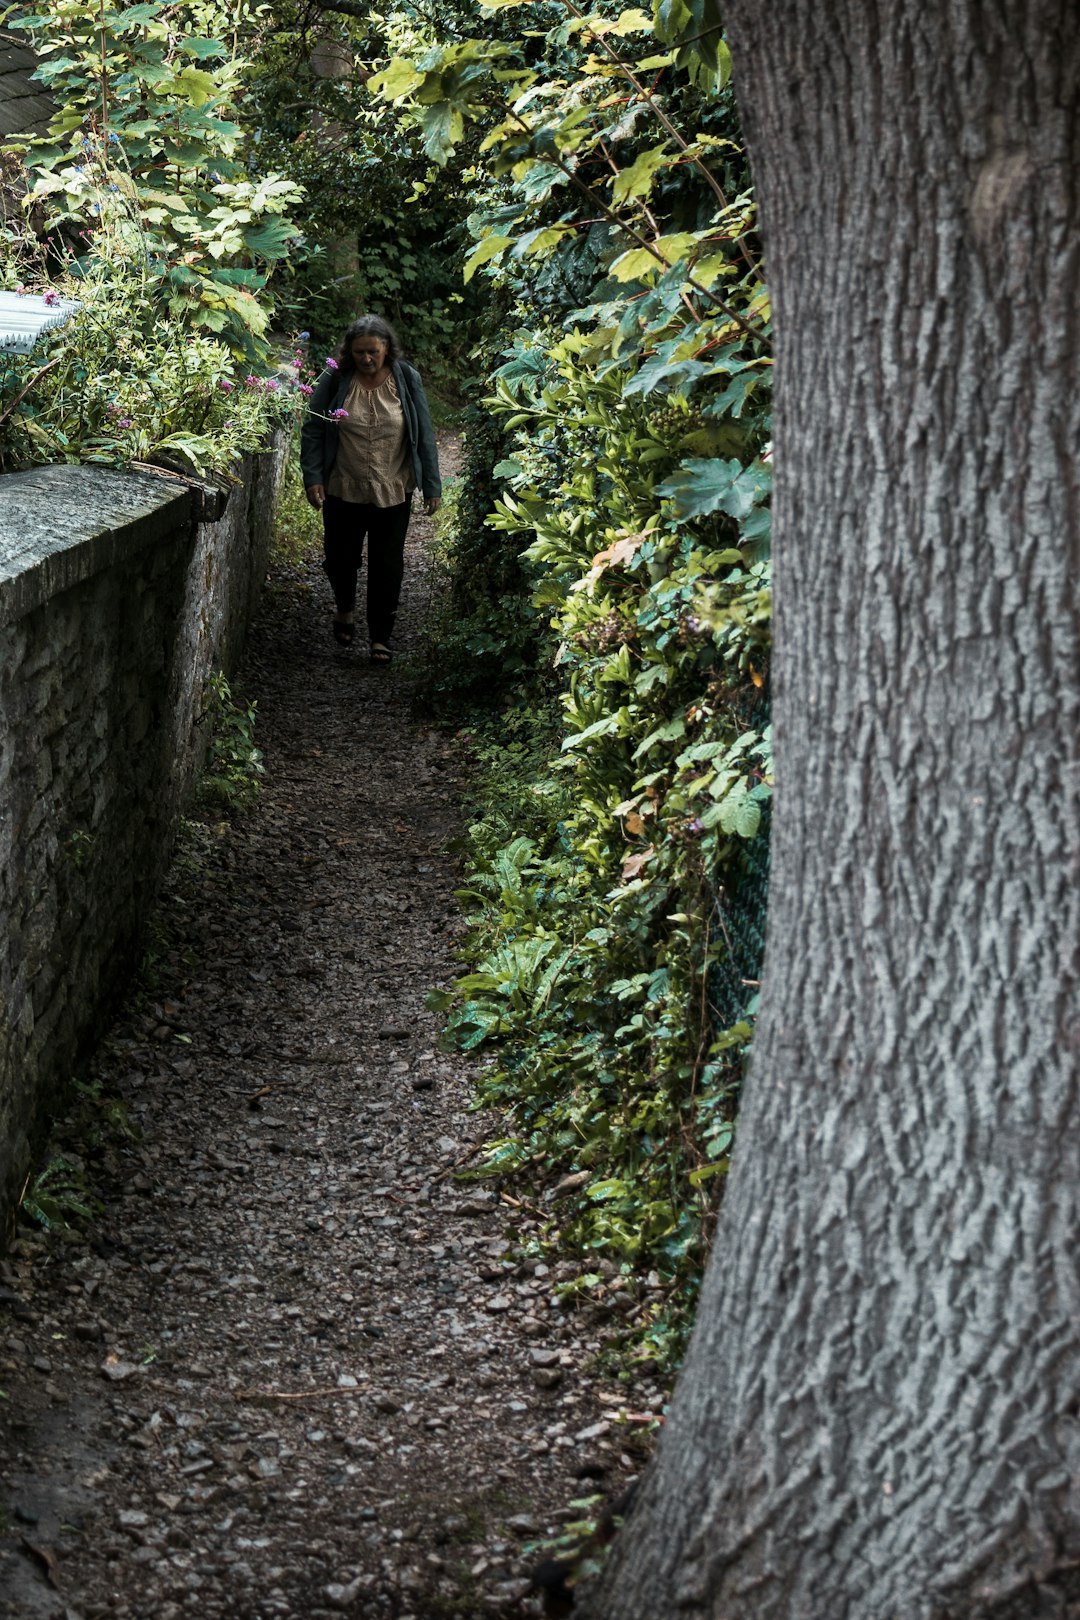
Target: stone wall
(115, 607)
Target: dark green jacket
(319, 436)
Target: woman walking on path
(366, 444)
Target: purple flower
(306, 389)
(331, 363)
(271, 385)
(51, 297)
(695, 826)
(226, 386)
(125, 421)
(339, 415)
(251, 381)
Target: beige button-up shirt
(373, 461)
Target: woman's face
(368, 354)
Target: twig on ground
(295, 1395)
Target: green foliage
(141, 162)
(234, 764)
(119, 384)
(57, 1196)
(297, 525)
(62, 1194)
(384, 229)
(484, 635)
(141, 214)
(631, 385)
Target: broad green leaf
(443, 126)
(675, 246)
(195, 86)
(636, 181)
(202, 48)
(137, 16)
(397, 81)
(748, 818)
(612, 1187)
(490, 248)
(633, 21)
(635, 264)
(539, 241)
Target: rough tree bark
(878, 1419)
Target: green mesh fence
(742, 903)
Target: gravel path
(294, 1370)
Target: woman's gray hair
(370, 326)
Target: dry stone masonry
(115, 607)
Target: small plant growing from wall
(234, 764)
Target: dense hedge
(608, 584)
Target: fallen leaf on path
(45, 1557)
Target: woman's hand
(432, 504)
(316, 496)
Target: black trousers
(345, 526)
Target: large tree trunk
(878, 1419)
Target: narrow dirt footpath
(291, 1371)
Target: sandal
(344, 634)
(380, 653)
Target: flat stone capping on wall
(115, 608)
(61, 525)
(25, 105)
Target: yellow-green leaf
(633, 21)
(631, 266)
(195, 86)
(397, 81)
(636, 181)
(489, 248)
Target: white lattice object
(24, 316)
